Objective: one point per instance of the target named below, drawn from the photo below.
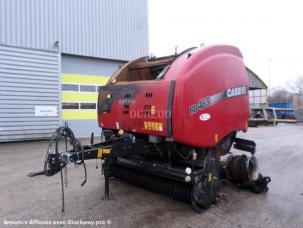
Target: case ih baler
(166, 123)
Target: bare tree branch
(296, 86)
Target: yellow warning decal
(103, 151)
(160, 127)
(149, 125)
(106, 151)
(210, 175)
(153, 126)
(145, 125)
(99, 153)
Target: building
(257, 90)
(297, 100)
(53, 56)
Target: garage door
(80, 81)
(29, 93)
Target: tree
(285, 93)
(280, 95)
(296, 86)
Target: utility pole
(269, 75)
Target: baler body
(196, 98)
(166, 123)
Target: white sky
(263, 30)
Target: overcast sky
(263, 30)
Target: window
(88, 105)
(70, 87)
(258, 98)
(70, 105)
(263, 92)
(251, 100)
(87, 88)
(257, 93)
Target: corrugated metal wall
(113, 29)
(29, 80)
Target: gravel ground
(279, 150)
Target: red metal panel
(138, 106)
